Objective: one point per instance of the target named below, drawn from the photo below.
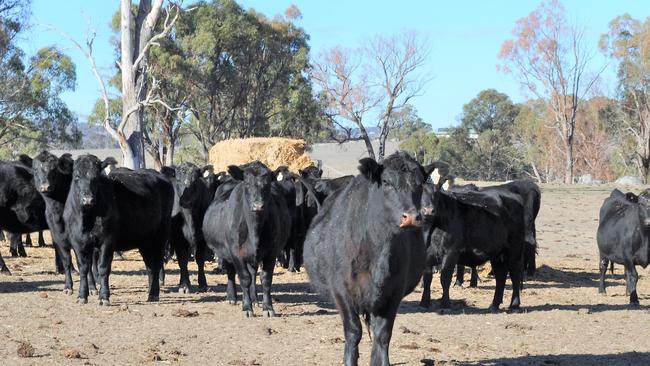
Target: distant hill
(95, 137)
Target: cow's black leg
(84, 262)
(181, 247)
(292, 260)
(231, 288)
(245, 283)
(267, 281)
(28, 240)
(93, 273)
(252, 269)
(382, 330)
(427, 276)
(153, 261)
(58, 261)
(473, 282)
(16, 245)
(65, 259)
(200, 263)
(352, 330)
(446, 272)
(516, 272)
(104, 271)
(460, 275)
(602, 266)
(500, 273)
(631, 278)
(41, 239)
(3, 267)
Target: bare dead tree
(550, 59)
(395, 62)
(344, 82)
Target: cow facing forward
(623, 237)
(365, 249)
(124, 210)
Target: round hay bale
(272, 151)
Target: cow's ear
(66, 163)
(108, 161)
(168, 172)
(207, 170)
(370, 169)
(236, 172)
(320, 173)
(280, 173)
(25, 160)
(428, 169)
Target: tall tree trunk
(382, 144)
(568, 170)
(133, 155)
(366, 140)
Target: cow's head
(188, 180)
(51, 174)
(311, 173)
(401, 178)
(257, 179)
(87, 173)
(643, 200)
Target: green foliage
(406, 123)
(489, 110)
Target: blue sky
(464, 37)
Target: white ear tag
(435, 176)
(280, 177)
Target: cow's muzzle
(410, 220)
(44, 188)
(257, 207)
(87, 201)
(427, 210)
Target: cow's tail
(611, 267)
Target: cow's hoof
(458, 284)
(494, 309)
(445, 305)
(247, 314)
(5, 271)
(93, 292)
(634, 305)
(232, 302)
(515, 310)
(425, 304)
(153, 298)
(202, 288)
(81, 300)
(270, 313)
(67, 291)
(184, 290)
(602, 292)
(22, 254)
(104, 302)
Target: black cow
(623, 237)
(477, 226)
(22, 209)
(193, 195)
(124, 210)
(52, 178)
(248, 223)
(365, 249)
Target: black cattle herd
(366, 240)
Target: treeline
(189, 77)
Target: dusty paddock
(565, 321)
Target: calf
(193, 194)
(623, 237)
(365, 249)
(248, 223)
(477, 226)
(124, 210)
(52, 178)
(22, 209)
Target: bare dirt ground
(565, 321)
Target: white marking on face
(108, 169)
(206, 174)
(280, 177)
